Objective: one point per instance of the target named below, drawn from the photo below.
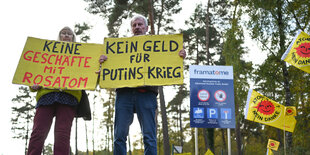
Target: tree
(201, 38)
(108, 118)
(22, 114)
(176, 111)
(271, 24)
(233, 53)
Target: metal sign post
(228, 141)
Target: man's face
(138, 27)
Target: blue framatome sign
(212, 97)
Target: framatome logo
(210, 72)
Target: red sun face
(289, 111)
(265, 107)
(303, 50)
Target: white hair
(138, 16)
(68, 28)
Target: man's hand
(182, 53)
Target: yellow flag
(266, 111)
(269, 152)
(298, 53)
(290, 111)
(272, 144)
(209, 152)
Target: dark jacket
(83, 108)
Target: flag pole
(284, 132)
(196, 141)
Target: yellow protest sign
(266, 111)
(57, 64)
(142, 60)
(272, 144)
(298, 53)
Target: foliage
(48, 149)
(107, 121)
(22, 114)
(195, 38)
(116, 11)
(80, 30)
(273, 24)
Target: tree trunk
(161, 92)
(164, 121)
(280, 23)
(237, 115)
(181, 129)
(93, 140)
(27, 131)
(237, 130)
(208, 133)
(223, 138)
(208, 35)
(205, 136)
(87, 152)
(151, 16)
(76, 138)
(129, 146)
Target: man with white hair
(140, 100)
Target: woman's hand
(36, 87)
(102, 58)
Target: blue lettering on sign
(210, 72)
(225, 113)
(212, 113)
(198, 112)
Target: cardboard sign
(142, 60)
(57, 64)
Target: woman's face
(66, 35)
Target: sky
(43, 19)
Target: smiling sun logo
(265, 107)
(303, 50)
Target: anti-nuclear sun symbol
(265, 107)
(303, 50)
